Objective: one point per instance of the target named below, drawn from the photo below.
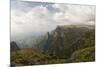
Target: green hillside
(83, 55)
(29, 56)
(65, 44)
(69, 39)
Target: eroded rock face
(14, 46)
(67, 39)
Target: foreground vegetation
(63, 45)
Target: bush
(83, 55)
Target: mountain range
(67, 43)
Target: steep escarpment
(65, 44)
(67, 39)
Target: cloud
(29, 18)
(38, 19)
(74, 13)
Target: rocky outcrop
(14, 46)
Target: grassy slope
(76, 45)
(73, 38)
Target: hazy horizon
(33, 19)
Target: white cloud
(75, 13)
(41, 20)
(29, 21)
(38, 19)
